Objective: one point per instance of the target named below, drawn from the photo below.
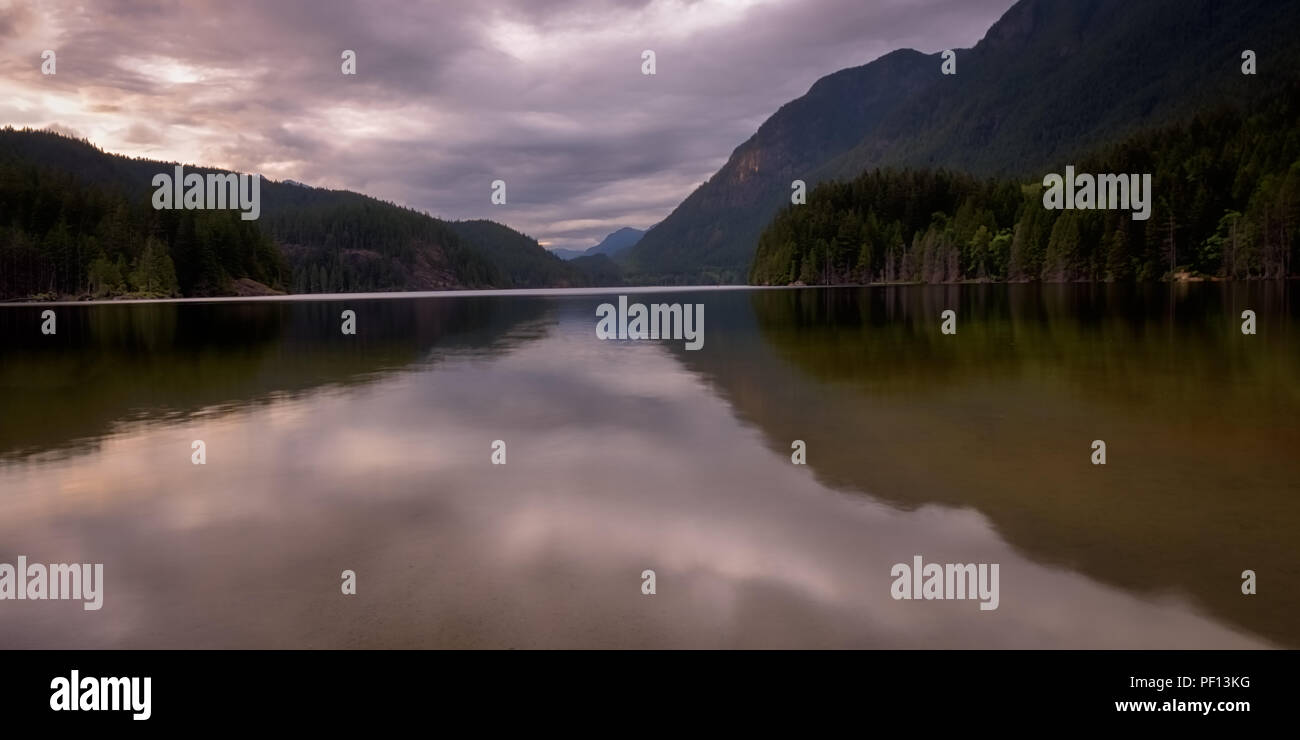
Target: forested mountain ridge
(522, 262)
(76, 221)
(1051, 79)
(1224, 202)
(710, 236)
(1054, 79)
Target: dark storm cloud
(449, 96)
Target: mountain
(618, 241)
(1051, 79)
(710, 236)
(1221, 199)
(1054, 78)
(611, 245)
(568, 254)
(521, 261)
(599, 270)
(75, 220)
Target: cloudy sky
(547, 95)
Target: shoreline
(483, 292)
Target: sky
(546, 95)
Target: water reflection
(622, 456)
(1202, 479)
(165, 361)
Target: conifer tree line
(340, 242)
(1225, 204)
(61, 234)
(76, 221)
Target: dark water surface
(372, 453)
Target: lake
(373, 453)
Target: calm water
(372, 453)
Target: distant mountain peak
(614, 243)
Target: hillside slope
(1050, 79)
(75, 220)
(520, 260)
(1055, 78)
(1223, 202)
(710, 236)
